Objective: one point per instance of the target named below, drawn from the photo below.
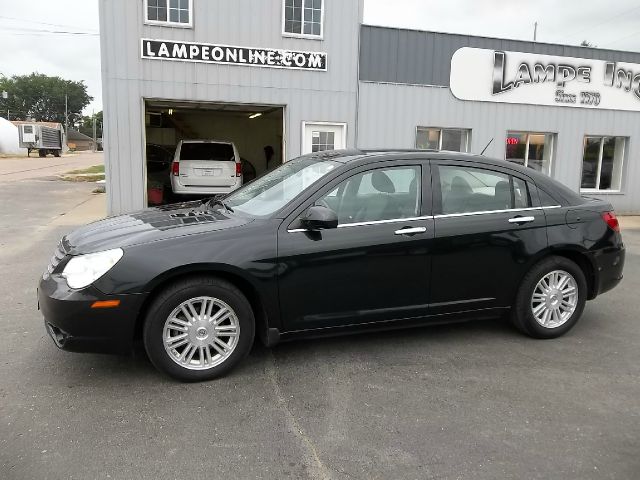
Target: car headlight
(83, 270)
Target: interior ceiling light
(255, 115)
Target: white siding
(404, 107)
(128, 80)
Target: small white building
(9, 140)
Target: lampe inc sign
(516, 77)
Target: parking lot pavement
(466, 401)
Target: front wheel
(198, 329)
(551, 298)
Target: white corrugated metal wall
(405, 81)
(128, 80)
(404, 107)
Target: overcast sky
(28, 44)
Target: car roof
(350, 155)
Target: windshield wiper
(215, 201)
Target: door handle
(521, 219)
(410, 230)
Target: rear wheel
(551, 298)
(42, 153)
(198, 329)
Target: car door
(486, 232)
(375, 266)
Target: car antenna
(485, 148)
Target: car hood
(149, 225)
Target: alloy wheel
(200, 333)
(554, 299)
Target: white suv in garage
(205, 167)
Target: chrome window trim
(484, 212)
(430, 217)
(373, 222)
(391, 220)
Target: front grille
(58, 255)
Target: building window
(169, 12)
(452, 139)
(602, 163)
(303, 18)
(321, 141)
(533, 150)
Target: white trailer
(46, 140)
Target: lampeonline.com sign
(515, 77)
(231, 55)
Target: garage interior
(252, 128)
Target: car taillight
(175, 168)
(238, 169)
(611, 220)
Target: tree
(86, 125)
(42, 98)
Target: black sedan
(331, 243)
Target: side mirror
(319, 218)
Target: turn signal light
(611, 220)
(238, 169)
(175, 168)
(105, 304)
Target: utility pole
(535, 32)
(66, 115)
(95, 140)
(5, 96)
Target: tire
(56, 153)
(530, 318)
(42, 153)
(208, 360)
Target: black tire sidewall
(525, 319)
(166, 302)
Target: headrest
(382, 182)
(460, 185)
(503, 188)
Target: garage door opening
(214, 134)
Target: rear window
(207, 151)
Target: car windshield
(274, 190)
(207, 151)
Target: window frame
(467, 143)
(168, 23)
(292, 215)
(554, 136)
(309, 36)
(625, 150)
(306, 123)
(436, 190)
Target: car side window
(381, 194)
(546, 200)
(521, 198)
(469, 189)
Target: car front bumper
(75, 326)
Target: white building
(306, 75)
